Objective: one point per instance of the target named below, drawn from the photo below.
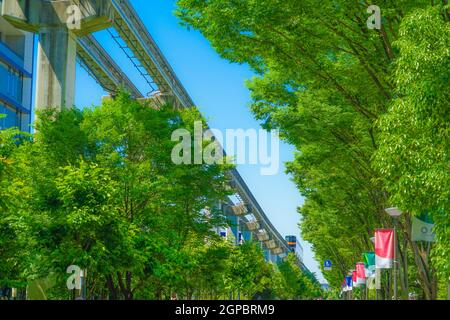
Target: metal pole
(83, 292)
(389, 276)
(448, 291)
(395, 259)
(378, 281)
(406, 267)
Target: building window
(4, 78)
(12, 118)
(11, 82)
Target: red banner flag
(384, 248)
(360, 274)
(354, 278)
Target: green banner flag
(369, 263)
(422, 228)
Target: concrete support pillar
(55, 78)
(51, 20)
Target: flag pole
(376, 291)
(395, 259)
(395, 213)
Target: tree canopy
(97, 188)
(367, 110)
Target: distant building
(16, 76)
(295, 246)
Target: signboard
(327, 265)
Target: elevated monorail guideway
(102, 67)
(264, 222)
(134, 33)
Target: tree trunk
(125, 289)
(111, 287)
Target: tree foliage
(97, 188)
(366, 109)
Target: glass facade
(16, 59)
(11, 119)
(11, 83)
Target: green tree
(102, 192)
(294, 284)
(413, 153)
(324, 79)
(248, 272)
(13, 231)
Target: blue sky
(218, 89)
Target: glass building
(16, 76)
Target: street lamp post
(395, 213)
